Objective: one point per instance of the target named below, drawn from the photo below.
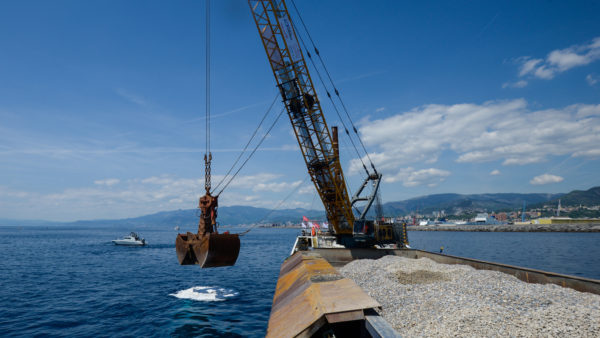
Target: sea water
(72, 281)
(75, 282)
(570, 253)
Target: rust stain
(207, 248)
(309, 292)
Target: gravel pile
(422, 298)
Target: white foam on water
(205, 294)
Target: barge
(313, 299)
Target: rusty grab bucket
(210, 250)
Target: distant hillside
(233, 215)
(453, 203)
(450, 203)
(588, 197)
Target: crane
(319, 145)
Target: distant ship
(484, 219)
(132, 240)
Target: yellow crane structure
(319, 148)
(304, 110)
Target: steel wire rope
(379, 204)
(273, 210)
(253, 151)
(312, 203)
(337, 93)
(248, 143)
(207, 77)
(344, 146)
(330, 98)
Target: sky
(102, 103)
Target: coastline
(576, 227)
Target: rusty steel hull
(310, 293)
(209, 251)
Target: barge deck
(313, 296)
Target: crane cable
(331, 99)
(249, 141)
(276, 207)
(207, 76)
(337, 93)
(345, 148)
(253, 151)
(207, 154)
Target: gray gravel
(422, 298)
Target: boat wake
(205, 294)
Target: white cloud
(495, 172)
(543, 72)
(107, 182)
(140, 196)
(546, 179)
(412, 178)
(9, 193)
(517, 84)
(528, 65)
(161, 180)
(138, 100)
(560, 60)
(492, 131)
(566, 59)
(587, 153)
(276, 186)
(591, 79)
(380, 109)
(308, 189)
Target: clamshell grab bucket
(210, 250)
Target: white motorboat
(132, 240)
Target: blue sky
(102, 102)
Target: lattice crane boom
(304, 110)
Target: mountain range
(578, 197)
(450, 203)
(456, 203)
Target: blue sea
(570, 253)
(72, 281)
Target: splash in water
(205, 294)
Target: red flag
(305, 219)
